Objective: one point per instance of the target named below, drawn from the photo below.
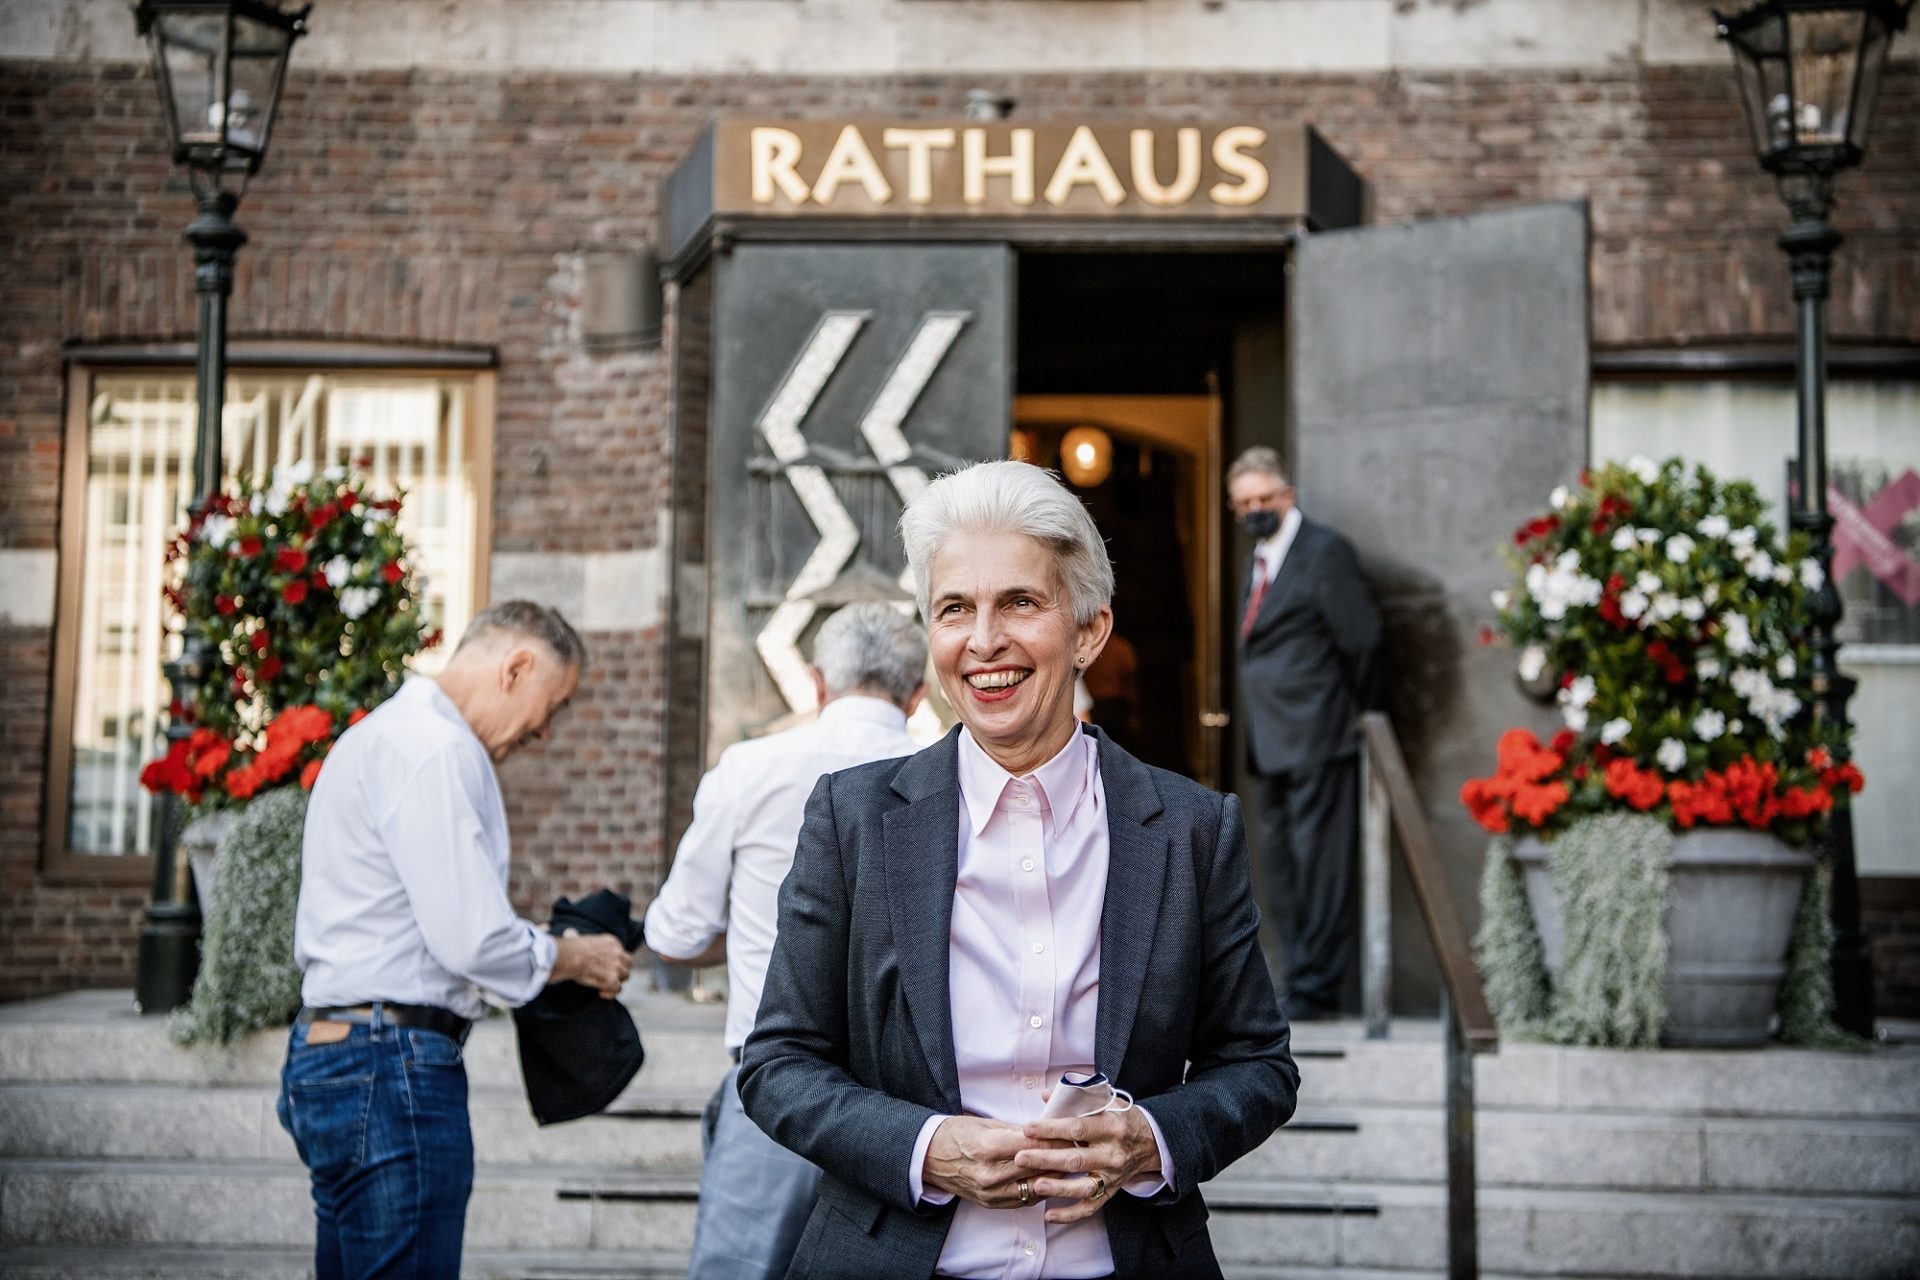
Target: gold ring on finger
(1026, 1191)
(1100, 1186)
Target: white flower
(1579, 693)
(1743, 536)
(1649, 536)
(294, 474)
(1709, 725)
(370, 527)
(339, 572)
(355, 601)
(1786, 667)
(1634, 603)
(1693, 609)
(217, 530)
(1760, 565)
(1615, 730)
(1812, 576)
(1559, 588)
(1559, 498)
(1710, 594)
(1735, 726)
(1502, 598)
(1714, 526)
(257, 502)
(1665, 605)
(1679, 548)
(1708, 667)
(1738, 639)
(1624, 539)
(1783, 574)
(277, 499)
(1671, 754)
(1645, 469)
(334, 474)
(1771, 705)
(1533, 661)
(1575, 718)
(1646, 583)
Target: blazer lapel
(1136, 879)
(923, 864)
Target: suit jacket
(854, 1048)
(1310, 664)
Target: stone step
(652, 1130)
(94, 1262)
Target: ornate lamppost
(1809, 71)
(220, 66)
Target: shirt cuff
(1150, 1185)
(914, 1183)
(545, 952)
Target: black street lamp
(1809, 71)
(220, 66)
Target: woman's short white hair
(1010, 497)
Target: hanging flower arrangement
(303, 588)
(1670, 620)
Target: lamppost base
(169, 958)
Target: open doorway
(1139, 375)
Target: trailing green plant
(1610, 875)
(1806, 997)
(248, 979)
(1508, 948)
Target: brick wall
(432, 207)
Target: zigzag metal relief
(780, 423)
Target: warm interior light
(1086, 456)
(1020, 445)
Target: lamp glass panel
(1826, 50)
(191, 46)
(1873, 60)
(259, 55)
(1760, 56)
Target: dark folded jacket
(577, 1050)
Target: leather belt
(422, 1016)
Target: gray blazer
(853, 1049)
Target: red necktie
(1254, 597)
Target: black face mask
(1261, 524)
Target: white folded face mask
(1086, 1094)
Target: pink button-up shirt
(1024, 987)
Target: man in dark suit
(1308, 647)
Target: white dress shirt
(403, 869)
(746, 821)
(1024, 966)
(1272, 550)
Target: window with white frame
(420, 434)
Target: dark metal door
(1439, 392)
(844, 377)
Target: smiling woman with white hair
(960, 1015)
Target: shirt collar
(1063, 782)
(858, 708)
(428, 692)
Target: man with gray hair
(721, 902)
(404, 934)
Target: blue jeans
(380, 1121)
(755, 1196)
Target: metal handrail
(1389, 806)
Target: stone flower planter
(1731, 899)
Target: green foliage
(247, 976)
(1806, 997)
(1610, 875)
(1508, 948)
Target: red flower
(1640, 788)
(294, 592)
(170, 772)
(290, 560)
(1819, 758)
(249, 548)
(359, 714)
(1847, 775)
(1486, 634)
(1563, 741)
(211, 761)
(319, 581)
(1803, 802)
(323, 515)
(225, 605)
(309, 774)
(270, 668)
(1537, 803)
(259, 640)
(392, 571)
(1670, 665)
(432, 639)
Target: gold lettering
(1229, 152)
(1186, 175)
(976, 166)
(919, 144)
(774, 153)
(850, 161)
(1084, 161)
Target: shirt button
(1034, 1021)
(1030, 1251)
(1030, 1081)
(1039, 947)
(1026, 864)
